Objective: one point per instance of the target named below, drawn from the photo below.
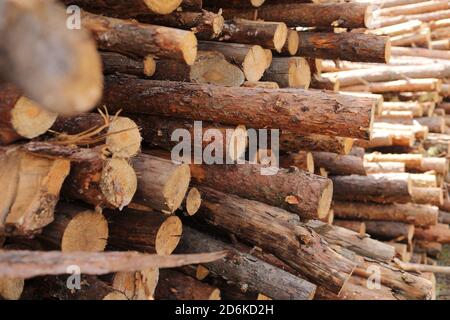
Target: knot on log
(303, 236)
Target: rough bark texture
(297, 191)
(293, 142)
(291, 109)
(247, 271)
(389, 230)
(269, 228)
(340, 165)
(438, 233)
(117, 63)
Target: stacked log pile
(348, 186)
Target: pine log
(117, 63)
(269, 228)
(52, 64)
(401, 28)
(444, 217)
(345, 46)
(31, 190)
(420, 52)
(149, 232)
(315, 142)
(399, 130)
(435, 124)
(20, 117)
(345, 15)
(356, 226)
(158, 132)
(413, 106)
(389, 230)
(162, 184)
(251, 58)
(174, 285)
(205, 24)
(339, 164)
(247, 271)
(289, 108)
(209, 67)
(131, 38)
(421, 38)
(411, 161)
(389, 73)
(373, 188)
(419, 215)
(397, 86)
(432, 249)
(292, 72)
(437, 233)
(29, 264)
(303, 160)
(414, 8)
(56, 288)
(76, 229)
(119, 134)
(401, 117)
(139, 285)
(129, 9)
(108, 183)
(384, 167)
(270, 35)
(424, 17)
(401, 250)
(300, 192)
(433, 196)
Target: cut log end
(371, 17)
(325, 201)
(118, 182)
(87, 231)
(163, 6)
(347, 144)
(387, 51)
(293, 42)
(138, 285)
(29, 120)
(124, 138)
(189, 48)
(215, 295)
(238, 142)
(177, 187)
(115, 295)
(257, 3)
(255, 63)
(218, 24)
(168, 236)
(300, 73)
(280, 36)
(11, 288)
(149, 66)
(193, 201)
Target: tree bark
(149, 232)
(116, 63)
(247, 271)
(434, 124)
(437, 233)
(419, 215)
(389, 230)
(384, 167)
(412, 161)
(345, 46)
(66, 72)
(339, 164)
(305, 194)
(315, 142)
(131, 38)
(261, 224)
(289, 108)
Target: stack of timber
(257, 149)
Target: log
(397, 86)
(209, 67)
(56, 288)
(292, 72)
(433, 196)
(339, 164)
(432, 249)
(437, 233)
(420, 52)
(401, 250)
(288, 108)
(389, 230)
(439, 165)
(174, 285)
(130, 9)
(139, 285)
(345, 46)
(443, 44)
(162, 184)
(270, 35)
(114, 63)
(297, 191)
(57, 67)
(345, 15)
(247, 271)
(411, 161)
(205, 24)
(32, 187)
(131, 38)
(119, 134)
(394, 30)
(76, 229)
(434, 124)
(158, 132)
(29, 264)
(358, 152)
(292, 43)
(400, 117)
(107, 183)
(444, 217)
(416, 130)
(384, 167)
(356, 226)
(413, 106)
(149, 232)
(232, 214)
(303, 160)
(424, 17)
(414, 8)
(251, 59)
(315, 142)
(422, 268)
(389, 73)
(417, 214)
(373, 188)
(234, 3)
(20, 117)
(420, 38)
